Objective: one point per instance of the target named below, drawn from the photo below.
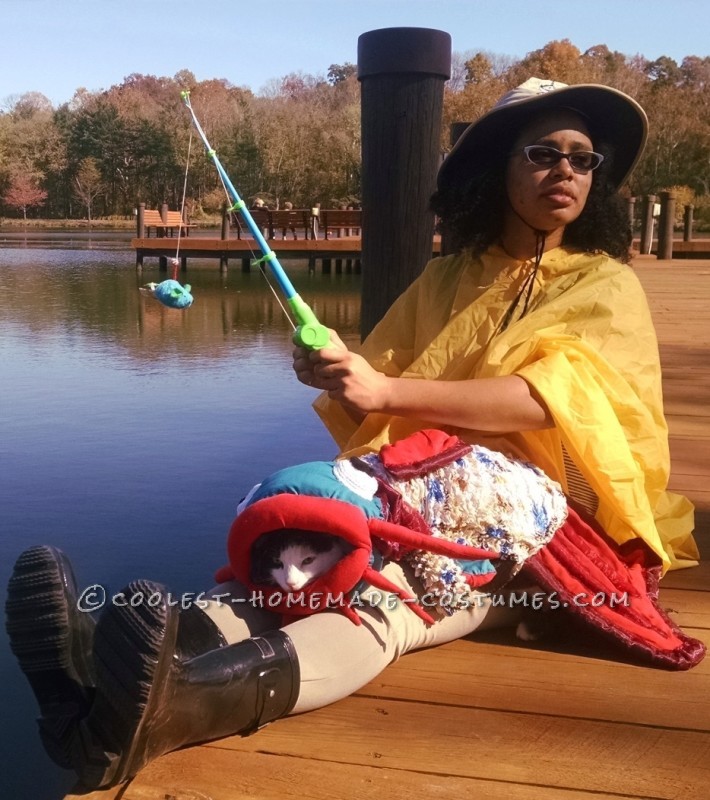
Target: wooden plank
(221, 774)
(497, 672)
(695, 579)
(547, 750)
(688, 609)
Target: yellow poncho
(588, 347)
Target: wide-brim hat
(611, 116)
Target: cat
(293, 558)
(540, 622)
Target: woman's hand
(501, 404)
(346, 376)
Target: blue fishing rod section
(309, 331)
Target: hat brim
(613, 118)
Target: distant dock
(328, 235)
(343, 252)
(331, 236)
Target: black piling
(402, 73)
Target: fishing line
(182, 207)
(309, 332)
(171, 292)
(259, 262)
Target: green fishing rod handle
(309, 333)
(312, 336)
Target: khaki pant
(337, 657)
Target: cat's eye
(277, 564)
(308, 560)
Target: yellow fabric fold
(587, 346)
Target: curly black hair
(472, 213)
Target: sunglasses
(543, 156)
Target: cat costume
(465, 518)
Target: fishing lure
(171, 293)
(309, 332)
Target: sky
(58, 46)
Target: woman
(535, 340)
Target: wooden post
(224, 235)
(632, 214)
(140, 234)
(647, 224)
(164, 217)
(665, 226)
(315, 219)
(402, 73)
(163, 260)
(688, 223)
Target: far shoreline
(14, 224)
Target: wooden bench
(276, 223)
(337, 222)
(297, 221)
(261, 217)
(164, 227)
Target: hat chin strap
(527, 285)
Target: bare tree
(87, 185)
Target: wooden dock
(226, 249)
(489, 717)
(331, 234)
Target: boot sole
(133, 651)
(52, 641)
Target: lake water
(129, 431)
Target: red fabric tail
(614, 593)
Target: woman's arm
(499, 404)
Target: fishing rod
(309, 333)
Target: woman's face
(548, 198)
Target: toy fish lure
(171, 293)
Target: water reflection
(66, 239)
(130, 431)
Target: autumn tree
(337, 73)
(32, 143)
(299, 138)
(482, 85)
(24, 192)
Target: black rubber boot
(149, 701)
(52, 640)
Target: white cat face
(299, 564)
